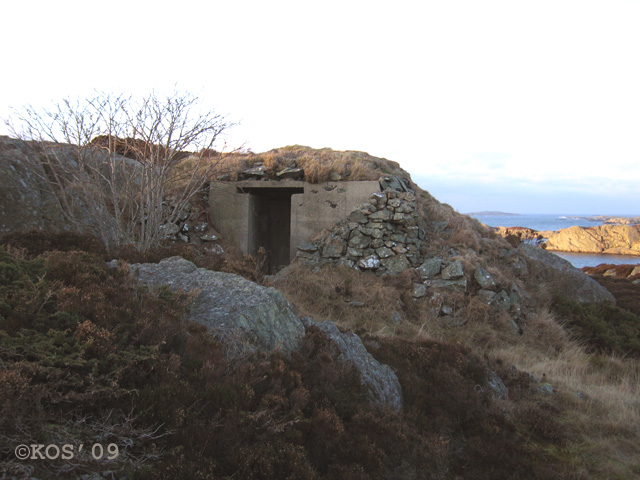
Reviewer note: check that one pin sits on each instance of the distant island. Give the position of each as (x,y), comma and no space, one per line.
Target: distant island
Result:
(495,214)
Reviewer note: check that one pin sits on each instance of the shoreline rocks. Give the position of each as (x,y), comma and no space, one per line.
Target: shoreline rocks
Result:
(601,239)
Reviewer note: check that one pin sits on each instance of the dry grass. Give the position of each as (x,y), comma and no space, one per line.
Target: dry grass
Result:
(319,165)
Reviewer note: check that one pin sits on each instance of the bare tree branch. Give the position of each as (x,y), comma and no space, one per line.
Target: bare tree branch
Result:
(111,161)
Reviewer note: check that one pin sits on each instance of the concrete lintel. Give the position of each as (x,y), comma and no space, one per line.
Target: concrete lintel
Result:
(269,184)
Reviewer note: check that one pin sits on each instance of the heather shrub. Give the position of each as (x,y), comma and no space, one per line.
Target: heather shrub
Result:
(603,327)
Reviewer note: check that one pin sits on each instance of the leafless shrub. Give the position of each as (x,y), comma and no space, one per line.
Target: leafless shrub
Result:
(117,166)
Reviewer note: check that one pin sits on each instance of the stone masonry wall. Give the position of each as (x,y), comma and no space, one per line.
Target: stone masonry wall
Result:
(384,235)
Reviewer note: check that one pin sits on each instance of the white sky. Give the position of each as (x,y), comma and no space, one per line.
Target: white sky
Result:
(522,106)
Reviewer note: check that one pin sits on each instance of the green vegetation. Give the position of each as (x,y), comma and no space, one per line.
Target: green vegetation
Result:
(604,327)
(89,357)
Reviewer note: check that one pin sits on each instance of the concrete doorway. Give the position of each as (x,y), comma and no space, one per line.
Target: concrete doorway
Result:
(270,223)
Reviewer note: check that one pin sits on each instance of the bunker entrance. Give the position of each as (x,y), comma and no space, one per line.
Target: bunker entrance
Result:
(270,224)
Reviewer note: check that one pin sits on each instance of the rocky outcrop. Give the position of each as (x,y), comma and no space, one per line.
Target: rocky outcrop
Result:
(24,201)
(232,306)
(565,279)
(229,302)
(380,381)
(615,239)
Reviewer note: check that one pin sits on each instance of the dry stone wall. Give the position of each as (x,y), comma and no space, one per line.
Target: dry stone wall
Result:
(385,235)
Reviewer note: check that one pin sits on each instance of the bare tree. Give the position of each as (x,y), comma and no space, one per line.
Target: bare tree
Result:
(117,165)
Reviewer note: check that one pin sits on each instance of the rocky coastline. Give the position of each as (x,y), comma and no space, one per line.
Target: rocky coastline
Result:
(616,239)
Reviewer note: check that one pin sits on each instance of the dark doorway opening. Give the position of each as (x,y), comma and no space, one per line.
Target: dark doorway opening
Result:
(270,224)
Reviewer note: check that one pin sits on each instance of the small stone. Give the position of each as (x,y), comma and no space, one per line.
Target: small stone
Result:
(290,172)
(419,290)
(354,252)
(183,238)
(460,284)
(453,271)
(169,229)
(307,247)
(484,279)
(396,264)
(501,301)
(209,237)
(485,296)
(384,252)
(358,217)
(334,247)
(369,263)
(356,304)
(396,318)
(430,268)
(610,273)
(635,271)
(400,249)
(381,215)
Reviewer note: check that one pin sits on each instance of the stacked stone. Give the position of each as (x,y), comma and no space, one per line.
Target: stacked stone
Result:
(384,236)
(187,228)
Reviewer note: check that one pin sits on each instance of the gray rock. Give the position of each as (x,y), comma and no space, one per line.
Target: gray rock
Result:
(635,271)
(290,172)
(501,301)
(209,237)
(453,271)
(384,252)
(484,279)
(369,263)
(260,171)
(419,290)
(381,215)
(396,318)
(430,268)
(485,296)
(307,247)
(380,381)
(334,247)
(396,264)
(567,280)
(460,284)
(169,229)
(356,304)
(229,303)
(358,216)
(496,385)
(394,183)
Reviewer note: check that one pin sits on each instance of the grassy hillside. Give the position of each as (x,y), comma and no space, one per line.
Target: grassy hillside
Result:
(88,356)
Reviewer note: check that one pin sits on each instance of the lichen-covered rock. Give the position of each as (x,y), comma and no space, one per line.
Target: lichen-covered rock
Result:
(229,302)
(379,380)
(484,279)
(453,271)
(430,268)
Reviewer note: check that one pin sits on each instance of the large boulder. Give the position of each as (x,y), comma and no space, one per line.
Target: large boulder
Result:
(380,381)
(566,280)
(228,302)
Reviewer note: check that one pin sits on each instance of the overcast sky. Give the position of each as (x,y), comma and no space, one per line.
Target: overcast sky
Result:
(519,106)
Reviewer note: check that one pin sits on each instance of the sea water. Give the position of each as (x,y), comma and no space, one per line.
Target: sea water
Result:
(557,222)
